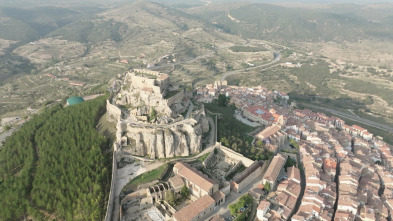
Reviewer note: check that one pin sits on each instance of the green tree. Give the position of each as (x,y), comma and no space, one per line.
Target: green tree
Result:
(185,192)
(294,143)
(222,100)
(60,147)
(267,186)
(170,197)
(153,114)
(289,163)
(234,208)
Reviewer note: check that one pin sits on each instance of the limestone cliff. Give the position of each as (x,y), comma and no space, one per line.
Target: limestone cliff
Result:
(181,139)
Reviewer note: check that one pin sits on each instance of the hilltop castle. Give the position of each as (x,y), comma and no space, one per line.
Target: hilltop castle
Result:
(148,110)
(145,91)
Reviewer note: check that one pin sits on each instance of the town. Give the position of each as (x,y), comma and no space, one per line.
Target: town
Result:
(317,168)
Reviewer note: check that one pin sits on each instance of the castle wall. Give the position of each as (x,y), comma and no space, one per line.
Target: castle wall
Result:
(147,71)
(114,112)
(109,208)
(175,98)
(237,156)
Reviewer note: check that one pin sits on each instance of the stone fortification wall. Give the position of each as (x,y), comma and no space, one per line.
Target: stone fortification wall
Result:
(226,189)
(234,168)
(113,111)
(175,98)
(109,208)
(159,83)
(162,79)
(247,176)
(237,156)
(208,158)
(147,71)
(142,82)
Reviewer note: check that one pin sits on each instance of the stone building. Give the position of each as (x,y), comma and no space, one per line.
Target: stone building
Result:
(272,135)
(247,176)
(202,188)
(198,183)
(273,170)
(196,210)
(144,91)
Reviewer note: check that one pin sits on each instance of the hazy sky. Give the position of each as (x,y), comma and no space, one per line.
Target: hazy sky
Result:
(315,1)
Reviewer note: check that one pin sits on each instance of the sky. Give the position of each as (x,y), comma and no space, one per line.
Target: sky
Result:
(313,1)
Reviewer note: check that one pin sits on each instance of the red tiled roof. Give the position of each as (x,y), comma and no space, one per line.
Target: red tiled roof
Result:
(261,112)
(263,205)
(195,176)
(356,127)
(268,131)
(293,173)
(194,209)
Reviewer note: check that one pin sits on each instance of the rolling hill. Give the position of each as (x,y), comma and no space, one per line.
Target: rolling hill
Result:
(284,24)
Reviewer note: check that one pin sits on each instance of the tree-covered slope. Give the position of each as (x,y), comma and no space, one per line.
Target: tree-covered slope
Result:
(56,165)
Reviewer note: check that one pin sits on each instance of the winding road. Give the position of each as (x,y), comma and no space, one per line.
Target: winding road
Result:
(353,118)
(267,65)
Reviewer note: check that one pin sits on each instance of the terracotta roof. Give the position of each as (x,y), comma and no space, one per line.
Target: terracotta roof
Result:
(261,112)
(356,127)
(194,209)
(195,176)
(329,163)
(274,168)
(263,205)
(268,131)
(293,173)
(293,188)
(217,196)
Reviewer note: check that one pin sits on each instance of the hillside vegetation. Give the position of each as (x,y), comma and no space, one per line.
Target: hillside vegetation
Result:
(263,21)
(56,166)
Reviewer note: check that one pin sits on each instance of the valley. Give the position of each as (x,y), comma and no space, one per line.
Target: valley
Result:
(204,100)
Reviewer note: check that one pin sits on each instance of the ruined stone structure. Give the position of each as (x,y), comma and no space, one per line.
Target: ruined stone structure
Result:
(144,91)
(163,134)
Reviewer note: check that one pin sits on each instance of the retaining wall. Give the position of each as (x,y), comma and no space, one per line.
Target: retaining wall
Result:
(109,208)
(113,111)
(237,156)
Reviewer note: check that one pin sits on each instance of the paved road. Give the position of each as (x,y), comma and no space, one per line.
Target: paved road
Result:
(278,57)
(353,118)
(182,62)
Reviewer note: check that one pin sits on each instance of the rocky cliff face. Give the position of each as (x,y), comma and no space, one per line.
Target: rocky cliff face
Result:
(157,142)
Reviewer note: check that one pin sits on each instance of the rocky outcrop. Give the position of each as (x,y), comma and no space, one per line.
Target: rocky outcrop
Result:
(152,124)
(180,139)
(205,125)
